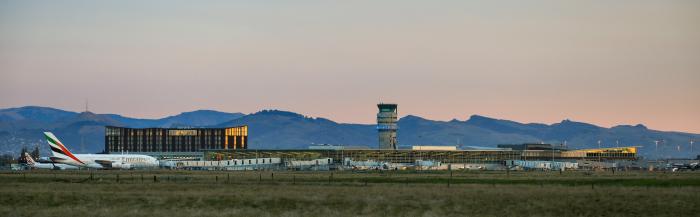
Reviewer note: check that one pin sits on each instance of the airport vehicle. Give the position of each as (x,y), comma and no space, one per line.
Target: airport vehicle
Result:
(60,154)
(51,166)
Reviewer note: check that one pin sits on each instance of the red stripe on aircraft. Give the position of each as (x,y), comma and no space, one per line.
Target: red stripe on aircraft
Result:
(65,151)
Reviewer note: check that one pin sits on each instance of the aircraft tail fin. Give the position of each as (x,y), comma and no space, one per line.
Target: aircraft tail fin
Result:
(58,150)
(29,159)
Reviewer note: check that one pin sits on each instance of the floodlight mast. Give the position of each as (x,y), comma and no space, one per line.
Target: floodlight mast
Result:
(599,152)
(656,151)
(691,146)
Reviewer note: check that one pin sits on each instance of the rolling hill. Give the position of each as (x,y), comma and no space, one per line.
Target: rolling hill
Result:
(273,129)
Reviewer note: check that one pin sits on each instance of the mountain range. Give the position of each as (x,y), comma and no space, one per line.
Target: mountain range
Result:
(273,129)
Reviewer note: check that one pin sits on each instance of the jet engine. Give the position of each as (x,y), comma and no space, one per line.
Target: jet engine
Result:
(120,165)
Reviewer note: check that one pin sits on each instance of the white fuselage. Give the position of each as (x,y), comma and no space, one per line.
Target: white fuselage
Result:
(132,160)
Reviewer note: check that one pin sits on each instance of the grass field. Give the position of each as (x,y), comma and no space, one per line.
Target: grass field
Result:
(217,193)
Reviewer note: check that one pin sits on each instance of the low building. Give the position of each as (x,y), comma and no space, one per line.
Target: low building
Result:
(405,156)
(336,147)
(434,148)
(527,146)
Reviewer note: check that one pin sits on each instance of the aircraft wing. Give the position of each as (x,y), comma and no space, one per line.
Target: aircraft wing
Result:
(105,163)
(108,164)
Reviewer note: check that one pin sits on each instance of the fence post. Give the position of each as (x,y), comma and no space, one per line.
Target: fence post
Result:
(449,180)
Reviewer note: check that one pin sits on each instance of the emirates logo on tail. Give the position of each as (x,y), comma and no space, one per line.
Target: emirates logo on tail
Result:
(58,149)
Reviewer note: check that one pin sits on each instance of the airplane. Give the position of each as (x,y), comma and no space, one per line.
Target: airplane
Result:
(60,154)
(681,166)
(52,166)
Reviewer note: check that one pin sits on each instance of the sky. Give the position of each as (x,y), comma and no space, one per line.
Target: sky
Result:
(602,62)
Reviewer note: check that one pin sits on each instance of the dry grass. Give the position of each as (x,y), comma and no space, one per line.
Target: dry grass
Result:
(63,193)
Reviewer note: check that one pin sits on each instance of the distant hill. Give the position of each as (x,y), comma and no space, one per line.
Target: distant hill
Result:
(287,130)
(273,129)
(84,132)
(31,117)
(199,118)
(484,131)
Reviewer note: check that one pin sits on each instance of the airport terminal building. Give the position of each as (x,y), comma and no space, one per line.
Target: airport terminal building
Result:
(490,156)
(174,140)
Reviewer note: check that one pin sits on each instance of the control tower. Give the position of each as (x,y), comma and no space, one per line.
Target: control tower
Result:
(386,126)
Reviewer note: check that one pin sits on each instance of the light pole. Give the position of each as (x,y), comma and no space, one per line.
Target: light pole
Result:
(691,146)
(600,152)
(656,151)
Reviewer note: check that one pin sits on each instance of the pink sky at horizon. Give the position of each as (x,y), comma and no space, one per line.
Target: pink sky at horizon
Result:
(599,62)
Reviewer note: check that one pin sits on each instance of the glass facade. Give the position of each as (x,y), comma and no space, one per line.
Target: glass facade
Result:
(121,139)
